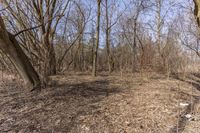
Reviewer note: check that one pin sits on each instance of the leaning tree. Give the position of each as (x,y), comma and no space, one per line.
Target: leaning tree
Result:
(10,46)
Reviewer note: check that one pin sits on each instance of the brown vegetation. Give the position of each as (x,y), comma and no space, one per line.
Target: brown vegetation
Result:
(122,66)
(80,103)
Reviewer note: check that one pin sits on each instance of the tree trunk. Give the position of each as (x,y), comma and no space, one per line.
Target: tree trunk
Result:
(158,30)
(108,40)
(52,62)
(10,46)
(197,11)
(97,40)
(50,57)
(158,37)
(134,60)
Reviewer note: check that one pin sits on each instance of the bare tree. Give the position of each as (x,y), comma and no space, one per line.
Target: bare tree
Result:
(108,30)
(190,29)
(131,26)
(94,68)
(10,46)
(39,20)
(56,34)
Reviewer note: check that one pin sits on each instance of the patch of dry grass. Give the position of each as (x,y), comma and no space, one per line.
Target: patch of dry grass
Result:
(105,104)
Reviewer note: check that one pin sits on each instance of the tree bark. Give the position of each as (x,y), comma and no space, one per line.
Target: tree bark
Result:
(97,39)
(158,30)
(50,57)
(10,46)
(197,11)
(134,60)
(108,30)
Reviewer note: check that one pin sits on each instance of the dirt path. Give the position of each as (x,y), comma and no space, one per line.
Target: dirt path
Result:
(80,103)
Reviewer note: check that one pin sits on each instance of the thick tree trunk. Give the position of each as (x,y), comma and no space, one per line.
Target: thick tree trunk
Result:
(197,11)
(10,46)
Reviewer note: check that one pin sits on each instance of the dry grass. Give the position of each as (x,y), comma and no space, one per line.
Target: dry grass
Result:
(79,103)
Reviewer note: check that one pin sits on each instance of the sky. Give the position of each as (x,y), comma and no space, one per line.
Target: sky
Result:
(169,12)
(127,9)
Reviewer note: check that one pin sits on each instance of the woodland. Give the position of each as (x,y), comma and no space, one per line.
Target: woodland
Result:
(100,66)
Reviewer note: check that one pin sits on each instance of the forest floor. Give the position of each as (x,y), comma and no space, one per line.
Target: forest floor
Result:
(79,103)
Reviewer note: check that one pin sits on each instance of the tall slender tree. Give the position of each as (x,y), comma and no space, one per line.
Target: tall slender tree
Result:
(94,68)
(108,30)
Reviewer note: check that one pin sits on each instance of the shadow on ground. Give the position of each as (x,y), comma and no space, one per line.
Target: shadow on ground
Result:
(58,108)
(87,89)
(194,80)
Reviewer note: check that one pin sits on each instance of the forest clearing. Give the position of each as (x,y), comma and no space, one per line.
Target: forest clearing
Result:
(100,66)
(105,104)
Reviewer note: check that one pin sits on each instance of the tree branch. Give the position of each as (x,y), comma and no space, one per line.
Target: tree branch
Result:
(32,28)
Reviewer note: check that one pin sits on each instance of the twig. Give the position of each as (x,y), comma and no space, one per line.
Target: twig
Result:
(35,27)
